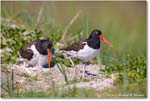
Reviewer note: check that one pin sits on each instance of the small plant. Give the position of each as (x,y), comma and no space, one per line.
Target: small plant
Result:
(13,39)
(8,84)
(131,69)
(26,75)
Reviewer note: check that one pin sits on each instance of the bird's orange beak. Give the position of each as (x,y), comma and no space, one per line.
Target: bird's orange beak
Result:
(105,40)
(49,57)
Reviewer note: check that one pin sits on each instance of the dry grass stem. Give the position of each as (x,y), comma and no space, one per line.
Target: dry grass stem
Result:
(70,23)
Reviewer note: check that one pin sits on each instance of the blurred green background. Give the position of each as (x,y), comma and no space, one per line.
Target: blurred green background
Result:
(122,23)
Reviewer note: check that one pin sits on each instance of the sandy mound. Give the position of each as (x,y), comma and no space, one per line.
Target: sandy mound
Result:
(42,78)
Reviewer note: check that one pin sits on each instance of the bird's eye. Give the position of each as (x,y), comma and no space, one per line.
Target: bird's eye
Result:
(96,32)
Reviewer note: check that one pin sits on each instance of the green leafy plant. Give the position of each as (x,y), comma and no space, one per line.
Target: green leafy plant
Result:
(13,39)
(130,69)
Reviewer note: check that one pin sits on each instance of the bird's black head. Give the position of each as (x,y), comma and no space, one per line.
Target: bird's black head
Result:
(42,46)
(95,34)
(47,44)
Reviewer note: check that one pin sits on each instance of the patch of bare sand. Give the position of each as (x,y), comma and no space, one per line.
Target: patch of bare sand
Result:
(42,78)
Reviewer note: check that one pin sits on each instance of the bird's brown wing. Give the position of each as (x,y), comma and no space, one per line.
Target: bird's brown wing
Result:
(76,46)
(26,53)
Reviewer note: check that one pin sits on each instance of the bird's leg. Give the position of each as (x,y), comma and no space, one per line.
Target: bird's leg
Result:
(83,72)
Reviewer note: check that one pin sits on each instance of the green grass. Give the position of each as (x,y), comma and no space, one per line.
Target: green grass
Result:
(125,91)
(132,69)
(119,91)
(122,23)
(60,93)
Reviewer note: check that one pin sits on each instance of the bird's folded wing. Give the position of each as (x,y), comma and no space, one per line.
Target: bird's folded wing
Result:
(76,46)
(26,53)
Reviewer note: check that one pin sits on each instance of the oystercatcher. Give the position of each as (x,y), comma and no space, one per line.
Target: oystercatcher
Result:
(38,52)
(86,49)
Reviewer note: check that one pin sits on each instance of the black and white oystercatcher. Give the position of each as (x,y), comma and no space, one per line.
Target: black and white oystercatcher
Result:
(37,52)
(88,48)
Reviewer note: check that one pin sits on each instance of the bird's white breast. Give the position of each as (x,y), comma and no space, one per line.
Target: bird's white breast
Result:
(86,53)
(37,59)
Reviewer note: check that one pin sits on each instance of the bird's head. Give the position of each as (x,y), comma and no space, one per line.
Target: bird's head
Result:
(47,44)
(97,34)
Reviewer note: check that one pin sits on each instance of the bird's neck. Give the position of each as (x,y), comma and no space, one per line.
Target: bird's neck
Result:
(93,43)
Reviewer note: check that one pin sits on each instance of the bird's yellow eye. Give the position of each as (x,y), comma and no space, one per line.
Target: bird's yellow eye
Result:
(96,32)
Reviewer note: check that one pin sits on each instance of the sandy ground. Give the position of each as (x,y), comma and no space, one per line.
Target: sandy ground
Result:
(42,78)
